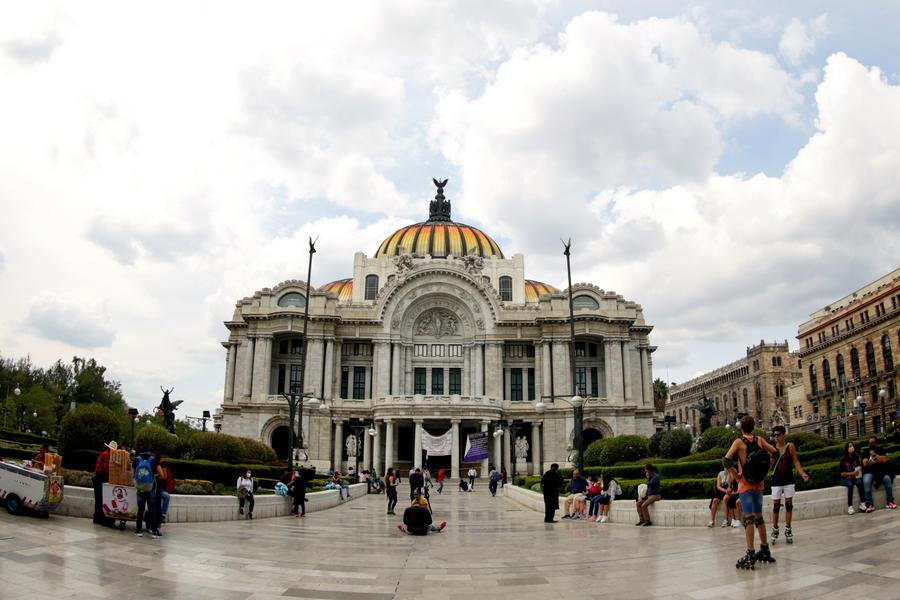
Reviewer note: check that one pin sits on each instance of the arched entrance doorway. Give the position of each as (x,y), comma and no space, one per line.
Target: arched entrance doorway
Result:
(588,436)
(279,441)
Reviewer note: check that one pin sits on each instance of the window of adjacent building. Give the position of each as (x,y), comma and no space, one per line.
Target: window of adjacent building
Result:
(879,309)
(746,403)
(371,286)
(345,382)
(841,377)
(295,380)
(515,384)
(592,350)
(585,302)
(595,382)
(454,350)
(870,358)
(437,381)
(813,379)
(821,336)
(419,378)
(854,363)
(514,350)
(437,349)
(835,330)
(581,381)
(359,383)
(531,384)
(864,317)
(506,288)
(356,349)
(294,346)
(282,369)
(826,374)
(886,353)
(292,299)
(455,381)
(421,350)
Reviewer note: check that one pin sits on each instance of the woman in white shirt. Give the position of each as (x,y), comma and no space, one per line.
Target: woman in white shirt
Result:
(245,493)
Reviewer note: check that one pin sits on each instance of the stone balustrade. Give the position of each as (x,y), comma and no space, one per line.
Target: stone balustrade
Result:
(809,504)
(184,508)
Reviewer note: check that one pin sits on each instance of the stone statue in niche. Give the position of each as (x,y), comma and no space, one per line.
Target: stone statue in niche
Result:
(521,448)
(351,445)
(438,323)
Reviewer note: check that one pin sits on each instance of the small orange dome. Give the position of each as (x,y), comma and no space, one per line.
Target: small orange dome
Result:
(536,289)
(342,288)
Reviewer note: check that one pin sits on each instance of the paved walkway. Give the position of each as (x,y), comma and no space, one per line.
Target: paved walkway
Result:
(492,548)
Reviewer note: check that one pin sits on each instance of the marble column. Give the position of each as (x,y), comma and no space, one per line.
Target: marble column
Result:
(262,349)
(493,379)
(484,463)
(479,369)
(336,369)
(626,367)
(388,444)
(408,375)
(377,374)
(417,444)
(247,377)
(329,365)
(454,450)
(507,453)
(338,445)
(537,467)
(467,372)
(497,455)
(546,377)
(395,369)
(231,358)
(312,376)
(538,375)
(607,370)
(367,449)
(377,467)
(647,376)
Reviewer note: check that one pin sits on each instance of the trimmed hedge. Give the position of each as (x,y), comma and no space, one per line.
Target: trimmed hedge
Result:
(592,452)
(675,443)
(154,436)
(807,441)
(624,448)
(25,438)
(257,451)
(218,447)
(88,428)
(716,437)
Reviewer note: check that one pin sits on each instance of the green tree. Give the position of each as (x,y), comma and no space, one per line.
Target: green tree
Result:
(88,428)
(660,393)
(91,385)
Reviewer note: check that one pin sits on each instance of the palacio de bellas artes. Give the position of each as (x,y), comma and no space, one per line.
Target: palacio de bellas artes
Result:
(437,342)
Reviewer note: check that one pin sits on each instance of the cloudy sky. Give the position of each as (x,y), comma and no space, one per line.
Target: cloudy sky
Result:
(732,169)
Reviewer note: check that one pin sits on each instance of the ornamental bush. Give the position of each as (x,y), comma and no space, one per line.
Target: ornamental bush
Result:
(807,441)
(716,437)
(592,453)
(654,443)
(258,452)
(624,448)
(88,428)
(675,443)
(154,436)
(221,447)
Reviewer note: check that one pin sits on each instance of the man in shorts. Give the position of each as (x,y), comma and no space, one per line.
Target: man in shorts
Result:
(750,494)
(783,482)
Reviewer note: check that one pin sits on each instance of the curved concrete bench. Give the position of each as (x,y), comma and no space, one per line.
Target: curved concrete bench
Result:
(809,504)
(183,508)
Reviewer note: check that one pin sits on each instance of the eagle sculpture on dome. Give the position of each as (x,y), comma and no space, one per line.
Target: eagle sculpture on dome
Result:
(439,209)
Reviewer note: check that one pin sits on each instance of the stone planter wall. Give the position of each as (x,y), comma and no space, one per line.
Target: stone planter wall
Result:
(79,502)
(810,504)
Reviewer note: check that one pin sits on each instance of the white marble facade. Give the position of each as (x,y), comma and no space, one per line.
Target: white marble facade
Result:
(452,337)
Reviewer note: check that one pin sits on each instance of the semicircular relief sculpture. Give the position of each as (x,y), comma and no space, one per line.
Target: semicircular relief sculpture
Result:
(437,323)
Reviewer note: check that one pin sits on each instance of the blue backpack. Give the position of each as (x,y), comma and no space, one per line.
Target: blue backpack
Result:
(143,475)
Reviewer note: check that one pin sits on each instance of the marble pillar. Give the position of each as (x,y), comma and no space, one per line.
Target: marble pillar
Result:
(263,348)
(329,365)
(336,369)
(230,361)
(538,375)
(647,376)
(376,373)
(467,372)
(507,452)
(408,374)
(247,367)
(497,455)
(417,444)
(367,450)
(454,450)
(479,369)
(395,369)
(626,367)
(537,467)
(484,463)
(388,444)
(312,375)
(377,466)
(338,445)
(607,370)
(546,377)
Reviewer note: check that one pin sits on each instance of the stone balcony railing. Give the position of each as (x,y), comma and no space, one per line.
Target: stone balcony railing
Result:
(438,401)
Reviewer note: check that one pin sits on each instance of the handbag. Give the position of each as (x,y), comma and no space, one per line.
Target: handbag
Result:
(242,493)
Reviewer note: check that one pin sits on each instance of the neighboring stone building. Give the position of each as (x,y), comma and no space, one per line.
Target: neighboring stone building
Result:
(846,349)
(755,385)
(437,332)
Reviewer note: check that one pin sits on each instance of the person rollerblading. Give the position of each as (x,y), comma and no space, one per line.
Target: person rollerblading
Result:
(747,561)
(783,485)
(788,535)
(775,532)
(764,556)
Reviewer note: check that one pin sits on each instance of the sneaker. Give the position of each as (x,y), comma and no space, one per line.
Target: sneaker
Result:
(862,507)
(566,517)
(870,509)
(710,524)
(250,516)
(735,523)
(241,511)
(604,519)
(156,534)
(639,524)
(850,510)
(139,533)
(442,525)
(891,505)
(647,524)
(576,517)
(726,523)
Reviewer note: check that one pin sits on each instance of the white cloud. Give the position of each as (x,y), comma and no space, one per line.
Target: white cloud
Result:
(72,323)
(798,40)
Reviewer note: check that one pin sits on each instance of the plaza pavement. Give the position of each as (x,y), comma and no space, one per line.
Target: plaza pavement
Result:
(492,548)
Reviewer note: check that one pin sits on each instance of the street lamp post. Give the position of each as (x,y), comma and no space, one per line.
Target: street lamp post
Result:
(16,392)
(881,394)
(579,405)
(295,402)
(511,428)
(359,426)
(312,250)
(669,419)
(133,413)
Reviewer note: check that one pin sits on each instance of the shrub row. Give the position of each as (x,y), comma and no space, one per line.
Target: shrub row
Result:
(25,438)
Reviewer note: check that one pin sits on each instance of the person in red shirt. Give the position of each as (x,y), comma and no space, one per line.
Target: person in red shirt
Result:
(440,481)
(101,476)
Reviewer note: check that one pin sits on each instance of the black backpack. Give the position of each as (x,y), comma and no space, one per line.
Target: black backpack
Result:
(757,464)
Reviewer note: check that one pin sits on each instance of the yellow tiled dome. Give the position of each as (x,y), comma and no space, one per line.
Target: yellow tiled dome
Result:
(440,239)
(536,289)
(342,288)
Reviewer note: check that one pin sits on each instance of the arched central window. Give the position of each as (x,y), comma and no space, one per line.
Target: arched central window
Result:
(584,302)
(292,299)
(371,286)
(506,288)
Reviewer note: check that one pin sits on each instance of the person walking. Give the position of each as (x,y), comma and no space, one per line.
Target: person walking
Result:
(493,480)
(850,470)
(472,475)
(440,481)
(783,485)
(550,483)
(144,482)
(753,465)
(653,495)
(245,493)
(416,483)
(390,481)
(502,476)
(298,493)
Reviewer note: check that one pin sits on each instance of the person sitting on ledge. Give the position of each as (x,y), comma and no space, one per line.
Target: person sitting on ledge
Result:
(337,483)
(577,490)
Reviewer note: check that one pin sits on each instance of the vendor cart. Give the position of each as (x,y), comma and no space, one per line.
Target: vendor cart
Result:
(24,487)
(120,502)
